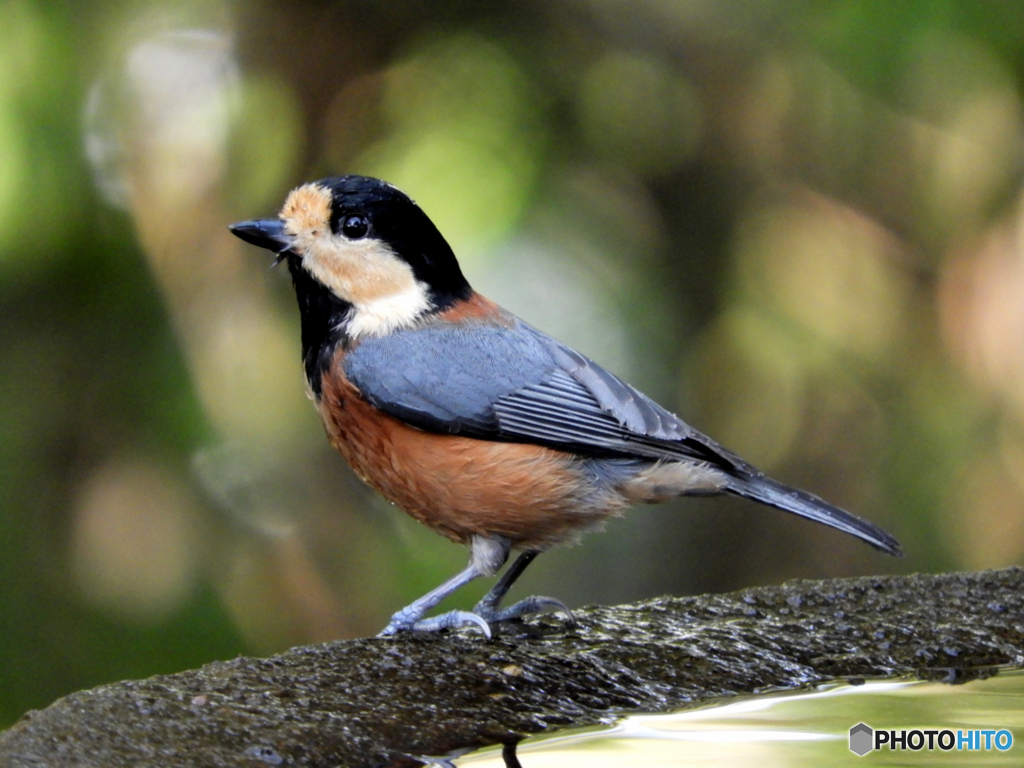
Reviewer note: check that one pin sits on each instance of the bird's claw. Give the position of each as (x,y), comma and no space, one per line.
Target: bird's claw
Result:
(529,605)
(450,620)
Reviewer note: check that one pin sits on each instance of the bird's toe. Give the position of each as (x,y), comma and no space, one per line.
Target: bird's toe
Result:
(450,620)
(525,607)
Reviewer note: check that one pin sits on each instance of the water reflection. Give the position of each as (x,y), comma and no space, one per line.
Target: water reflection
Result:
(804,729)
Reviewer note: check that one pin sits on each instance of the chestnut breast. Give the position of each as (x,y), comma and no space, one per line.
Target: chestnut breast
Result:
(460,486)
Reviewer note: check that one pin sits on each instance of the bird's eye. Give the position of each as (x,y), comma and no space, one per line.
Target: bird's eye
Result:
(355,227)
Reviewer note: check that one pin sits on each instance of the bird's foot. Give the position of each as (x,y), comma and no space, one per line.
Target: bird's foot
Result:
(451,620)
(529,605)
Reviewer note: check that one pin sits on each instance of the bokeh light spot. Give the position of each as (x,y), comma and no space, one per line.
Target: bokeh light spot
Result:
(134,541)
(24,192)
(165,114)
(752,378)
(981,303)
(265,142)
(638,112)
(461,138)
(828,269)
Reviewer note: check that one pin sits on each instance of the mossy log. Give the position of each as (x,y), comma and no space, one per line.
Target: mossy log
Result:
(379,702)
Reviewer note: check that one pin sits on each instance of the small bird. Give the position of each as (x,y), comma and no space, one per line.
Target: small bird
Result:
(478,425)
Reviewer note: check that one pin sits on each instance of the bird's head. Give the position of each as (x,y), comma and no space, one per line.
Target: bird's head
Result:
(367,244)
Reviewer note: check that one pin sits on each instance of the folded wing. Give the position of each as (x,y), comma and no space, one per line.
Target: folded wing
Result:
(516,384)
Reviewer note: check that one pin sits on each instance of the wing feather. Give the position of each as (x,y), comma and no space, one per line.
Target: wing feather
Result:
(517,384)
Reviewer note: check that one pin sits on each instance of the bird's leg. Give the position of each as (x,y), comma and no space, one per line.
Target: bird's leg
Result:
(487,555)
(489,603)
(489,606)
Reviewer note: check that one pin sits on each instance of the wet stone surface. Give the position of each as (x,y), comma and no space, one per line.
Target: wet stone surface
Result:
(377,702)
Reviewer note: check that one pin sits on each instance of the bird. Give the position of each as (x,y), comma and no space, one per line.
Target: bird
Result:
(484,428)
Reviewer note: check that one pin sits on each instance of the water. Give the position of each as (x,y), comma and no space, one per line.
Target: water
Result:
(793,730)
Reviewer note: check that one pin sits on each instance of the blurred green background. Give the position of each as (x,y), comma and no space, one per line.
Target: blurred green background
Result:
(799,225)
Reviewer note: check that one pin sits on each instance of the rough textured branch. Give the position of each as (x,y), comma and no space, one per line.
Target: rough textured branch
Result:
(376,702)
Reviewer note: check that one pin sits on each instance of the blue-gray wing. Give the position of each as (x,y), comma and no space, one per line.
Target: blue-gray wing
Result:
(517,384)
(446,378)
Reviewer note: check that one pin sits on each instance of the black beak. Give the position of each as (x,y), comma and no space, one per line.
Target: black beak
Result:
(266,233)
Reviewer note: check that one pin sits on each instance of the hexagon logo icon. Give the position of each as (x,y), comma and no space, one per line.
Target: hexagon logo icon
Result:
(861,739)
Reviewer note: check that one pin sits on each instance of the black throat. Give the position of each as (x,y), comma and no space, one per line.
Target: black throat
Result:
(322,317)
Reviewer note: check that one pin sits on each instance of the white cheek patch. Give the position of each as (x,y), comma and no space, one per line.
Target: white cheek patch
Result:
(388,313)
(382,289)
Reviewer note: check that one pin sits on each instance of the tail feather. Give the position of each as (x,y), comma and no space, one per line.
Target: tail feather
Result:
(775,494)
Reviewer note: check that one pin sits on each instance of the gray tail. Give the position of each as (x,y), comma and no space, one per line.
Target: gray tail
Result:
(775,494)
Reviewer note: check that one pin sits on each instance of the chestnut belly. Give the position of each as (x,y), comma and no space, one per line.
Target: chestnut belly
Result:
(535,497)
